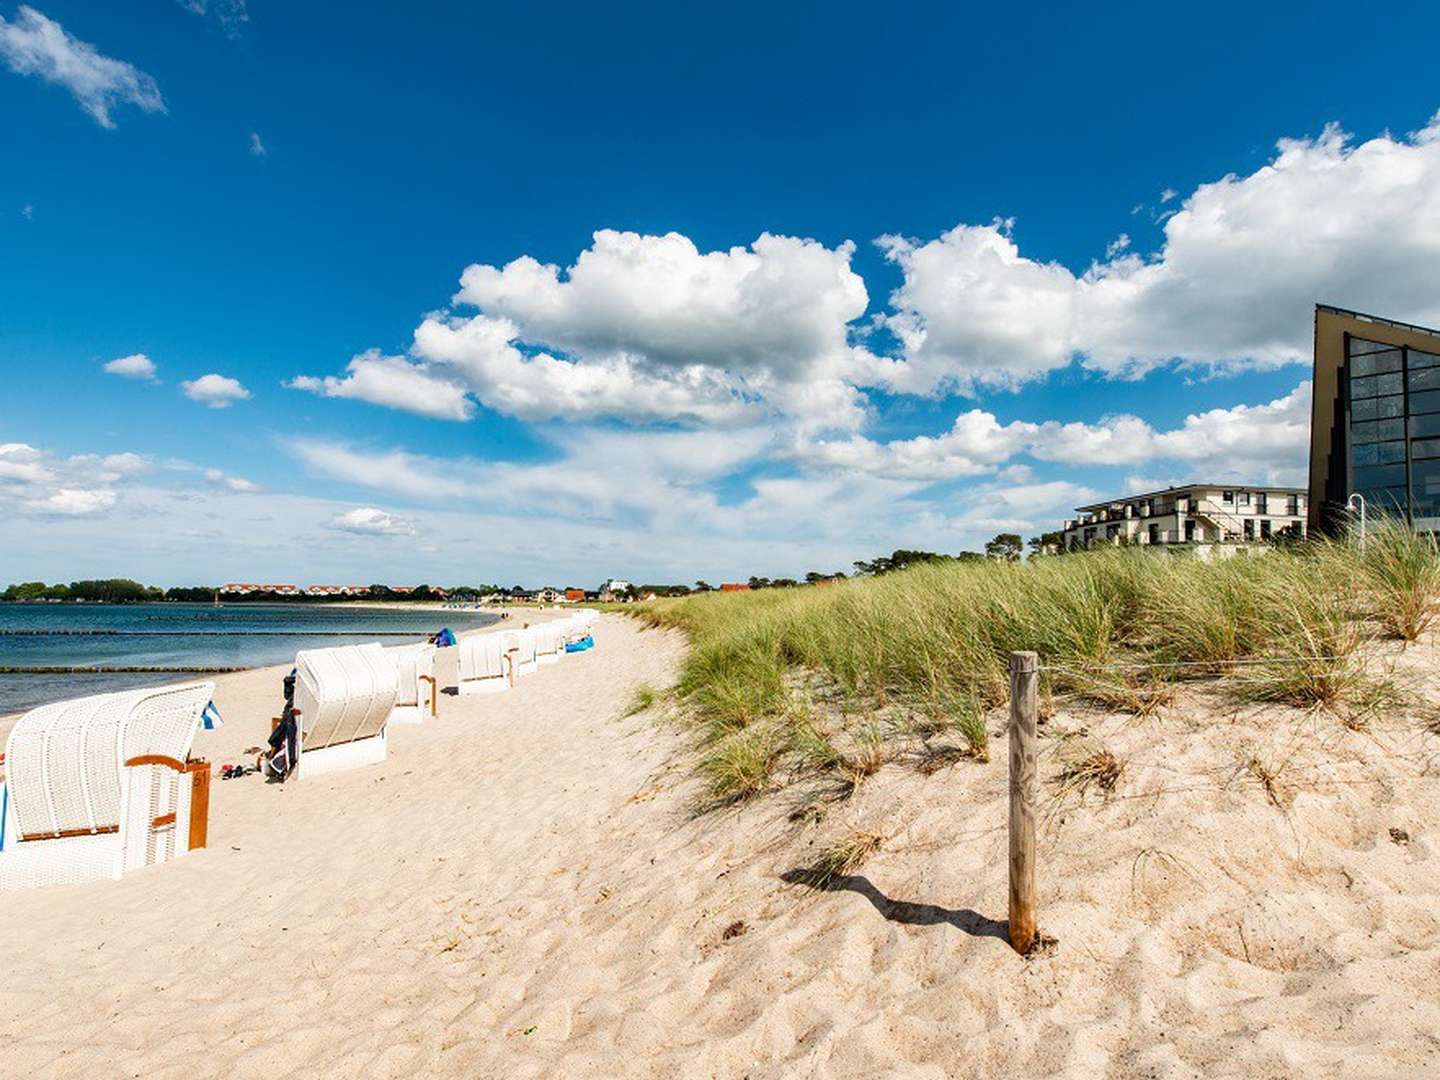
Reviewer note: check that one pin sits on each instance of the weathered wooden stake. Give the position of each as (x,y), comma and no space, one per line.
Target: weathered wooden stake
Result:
(1024,781)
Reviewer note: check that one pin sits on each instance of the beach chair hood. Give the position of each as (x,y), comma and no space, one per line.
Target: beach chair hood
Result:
(65,762)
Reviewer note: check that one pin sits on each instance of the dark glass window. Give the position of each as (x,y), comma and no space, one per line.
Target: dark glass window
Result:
(1384,500)
(1359,346)
(1418,359)
(1381,453)
(1375,363)
(1425,425)
(1377,431)
(1379,476)
(1376,385)
(1429,401)
(1424,379)
(1425,482)
(1425,448)
(1383,408)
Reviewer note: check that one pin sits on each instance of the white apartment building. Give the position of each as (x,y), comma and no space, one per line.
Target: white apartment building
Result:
(1192,514)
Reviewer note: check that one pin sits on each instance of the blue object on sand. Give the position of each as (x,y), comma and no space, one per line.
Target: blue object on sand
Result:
(445,638)
(587,642)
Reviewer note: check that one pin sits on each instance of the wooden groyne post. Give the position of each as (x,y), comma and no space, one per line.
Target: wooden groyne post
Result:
(1024,792)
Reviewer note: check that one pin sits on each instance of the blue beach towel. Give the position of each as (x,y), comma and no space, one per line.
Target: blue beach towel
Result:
(445,638)
(210,718)
(587,642)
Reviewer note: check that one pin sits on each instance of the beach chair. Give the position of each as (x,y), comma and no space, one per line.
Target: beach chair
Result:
(484,664)
(520,644)
(98,786)
(343,698)
(549,642)
(416,695)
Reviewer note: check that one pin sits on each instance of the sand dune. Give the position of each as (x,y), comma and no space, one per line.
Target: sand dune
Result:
(522,891)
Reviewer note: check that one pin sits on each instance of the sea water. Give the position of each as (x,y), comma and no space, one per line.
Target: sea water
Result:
(186,635)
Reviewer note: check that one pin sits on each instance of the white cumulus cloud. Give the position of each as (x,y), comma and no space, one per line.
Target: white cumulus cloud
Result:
(73,502)
(394,381)
(372,521)
(35,45)
(215,391)
(1243,262)
(135,366)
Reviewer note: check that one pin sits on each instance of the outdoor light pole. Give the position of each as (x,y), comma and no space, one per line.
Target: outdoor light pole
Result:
(1356,497)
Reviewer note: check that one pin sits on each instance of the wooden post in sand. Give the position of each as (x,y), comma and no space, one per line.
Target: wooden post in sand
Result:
(1024,780)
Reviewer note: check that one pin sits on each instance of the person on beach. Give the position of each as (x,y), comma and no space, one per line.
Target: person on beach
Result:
(280,758)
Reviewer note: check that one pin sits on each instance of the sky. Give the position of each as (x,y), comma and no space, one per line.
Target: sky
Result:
(332,293)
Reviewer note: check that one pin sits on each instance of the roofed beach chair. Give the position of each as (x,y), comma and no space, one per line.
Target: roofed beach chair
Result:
(484,664)
(521,646)
(550,642)
(343,697)
(416,694)
(101,785)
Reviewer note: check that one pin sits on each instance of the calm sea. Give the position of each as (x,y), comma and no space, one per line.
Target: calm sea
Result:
(185,635)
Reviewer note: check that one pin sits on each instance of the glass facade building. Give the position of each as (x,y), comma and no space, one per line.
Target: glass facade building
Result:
(1393,394)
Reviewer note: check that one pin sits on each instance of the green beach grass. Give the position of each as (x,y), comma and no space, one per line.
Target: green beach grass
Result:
(1120,628)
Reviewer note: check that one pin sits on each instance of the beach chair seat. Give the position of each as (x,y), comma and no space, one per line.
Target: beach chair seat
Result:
(102,785)
(416,695)
(484,664)
(344,696)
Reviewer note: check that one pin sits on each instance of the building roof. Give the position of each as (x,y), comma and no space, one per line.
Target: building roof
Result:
(1379,319)
(1183,488)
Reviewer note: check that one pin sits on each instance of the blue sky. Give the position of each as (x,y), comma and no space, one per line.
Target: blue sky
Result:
(796,284)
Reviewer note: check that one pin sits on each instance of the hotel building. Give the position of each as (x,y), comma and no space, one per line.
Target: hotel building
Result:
(1193,514)
(1375,419)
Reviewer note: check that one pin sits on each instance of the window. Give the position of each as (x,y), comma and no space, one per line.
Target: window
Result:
(1154,534)
(1292,505)
(1375,431)
(1359,347)
(1264,529)
(1425,488)
(1249,528)
(1423,379)
(1244,498)
(1387,408)
(1423,402)
(1189,531)
(1262,503)
(1228,496)
(1375,363)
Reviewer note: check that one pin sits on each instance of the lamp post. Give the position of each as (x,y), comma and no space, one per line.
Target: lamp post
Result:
(1350,504)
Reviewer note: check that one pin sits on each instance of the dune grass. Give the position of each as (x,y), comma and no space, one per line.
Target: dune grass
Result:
(1117,627)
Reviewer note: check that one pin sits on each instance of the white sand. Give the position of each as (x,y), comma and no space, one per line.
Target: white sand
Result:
(520,892)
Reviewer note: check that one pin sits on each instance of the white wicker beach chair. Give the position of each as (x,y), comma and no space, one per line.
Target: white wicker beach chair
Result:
(416,693)
(521,646)
(101,785)
(549,642)
(344,696)
(484,665)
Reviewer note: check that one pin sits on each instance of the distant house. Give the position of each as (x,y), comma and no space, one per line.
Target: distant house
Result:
(1201,514)
(734,586)
(247,588)
(575,595)
(549,595)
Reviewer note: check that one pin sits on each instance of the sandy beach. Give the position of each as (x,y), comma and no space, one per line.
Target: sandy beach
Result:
(522,890)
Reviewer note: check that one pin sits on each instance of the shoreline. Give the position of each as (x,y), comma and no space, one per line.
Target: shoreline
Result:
(516,617)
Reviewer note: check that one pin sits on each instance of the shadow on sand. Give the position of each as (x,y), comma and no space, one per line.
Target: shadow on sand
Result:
(903,911)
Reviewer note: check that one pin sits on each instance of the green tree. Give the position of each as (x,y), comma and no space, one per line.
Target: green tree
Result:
(1006,546)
